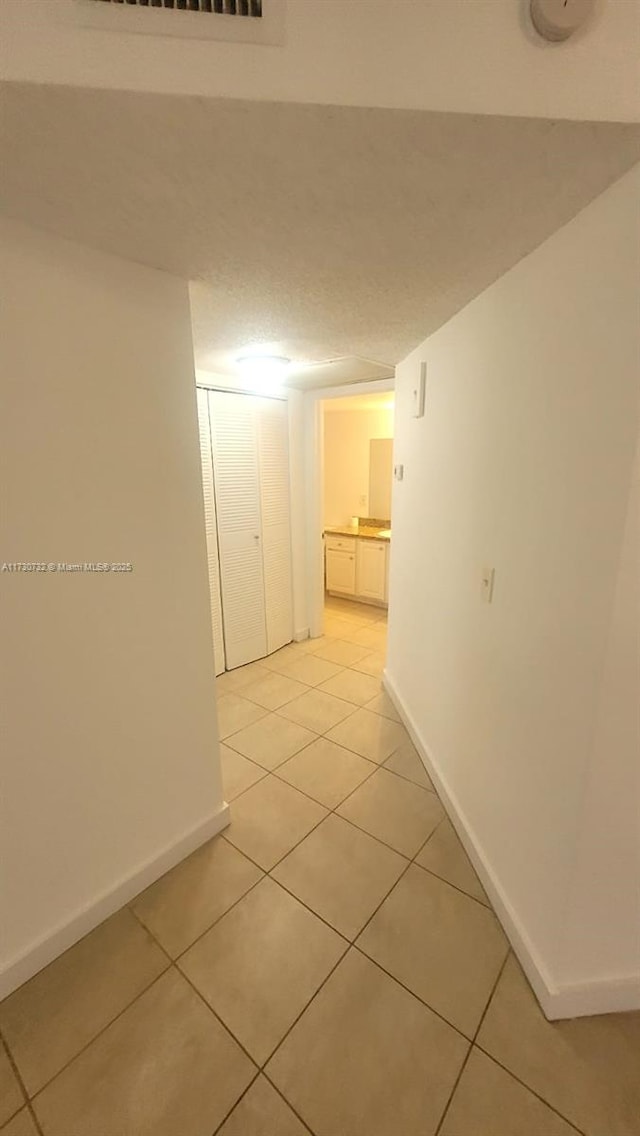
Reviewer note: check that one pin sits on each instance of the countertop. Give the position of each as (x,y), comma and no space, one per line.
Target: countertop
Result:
(366,532)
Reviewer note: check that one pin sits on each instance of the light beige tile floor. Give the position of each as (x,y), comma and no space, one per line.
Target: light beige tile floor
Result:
(61,1009)
(11,1095)
(269,819)
(444,946)
(238,772)
(238,965)
(236,712)
(326,771)
(394,810)
(263,1112)
(406,762)
(271,741)
(353,686)
(185,902)
(22,1124)
(329,965)
(273,690)
(318,711)
(444,855)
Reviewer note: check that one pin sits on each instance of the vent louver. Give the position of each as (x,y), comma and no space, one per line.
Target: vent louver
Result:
(214,7)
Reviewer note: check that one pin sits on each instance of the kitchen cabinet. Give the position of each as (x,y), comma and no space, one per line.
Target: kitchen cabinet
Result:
(340,565)
(357,567)
(371,570)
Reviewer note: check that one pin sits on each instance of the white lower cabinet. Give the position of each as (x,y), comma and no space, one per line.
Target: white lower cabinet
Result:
(371,570)
(356,567)
(341,566)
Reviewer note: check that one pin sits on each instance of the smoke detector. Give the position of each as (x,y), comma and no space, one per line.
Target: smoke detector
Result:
(556,20)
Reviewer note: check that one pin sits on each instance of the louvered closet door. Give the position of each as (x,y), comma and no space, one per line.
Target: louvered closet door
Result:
(211,531)
(237,484)
(273,457)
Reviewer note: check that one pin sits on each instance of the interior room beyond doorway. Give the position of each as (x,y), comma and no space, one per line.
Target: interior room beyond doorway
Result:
(357,483)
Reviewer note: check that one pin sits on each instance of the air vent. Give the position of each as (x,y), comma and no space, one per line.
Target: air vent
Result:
(240,21)
(215,7)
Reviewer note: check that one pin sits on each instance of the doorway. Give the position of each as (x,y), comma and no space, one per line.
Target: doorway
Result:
(349,514)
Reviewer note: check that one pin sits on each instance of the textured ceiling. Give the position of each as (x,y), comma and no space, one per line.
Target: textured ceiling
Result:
(325,231)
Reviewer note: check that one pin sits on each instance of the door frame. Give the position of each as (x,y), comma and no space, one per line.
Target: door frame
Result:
(312,424)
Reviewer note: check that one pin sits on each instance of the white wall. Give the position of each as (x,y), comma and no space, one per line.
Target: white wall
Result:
(110,766)
(528,706)
(478,56)
(347,434)
(606,872)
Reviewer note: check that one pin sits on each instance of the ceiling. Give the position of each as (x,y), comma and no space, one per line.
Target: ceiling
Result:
(320,231)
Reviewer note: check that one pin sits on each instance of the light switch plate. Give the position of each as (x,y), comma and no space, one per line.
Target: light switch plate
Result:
(488,579)
(418,392)
(398,472)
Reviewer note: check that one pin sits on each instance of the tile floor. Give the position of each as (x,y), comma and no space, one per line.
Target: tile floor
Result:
(329,965)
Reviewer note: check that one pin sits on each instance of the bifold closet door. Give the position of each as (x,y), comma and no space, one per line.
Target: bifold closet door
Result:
(211,531)
(273,462)
(237,485)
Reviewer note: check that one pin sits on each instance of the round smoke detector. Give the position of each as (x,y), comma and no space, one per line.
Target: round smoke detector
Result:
(558,19)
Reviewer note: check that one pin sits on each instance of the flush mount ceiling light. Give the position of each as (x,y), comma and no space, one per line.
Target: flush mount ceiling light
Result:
(556,20)
(263,368)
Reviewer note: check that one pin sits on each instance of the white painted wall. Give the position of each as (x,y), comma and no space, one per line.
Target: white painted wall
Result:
(478,56)
(347,434)
(606,872)
(528,706)
(110,766)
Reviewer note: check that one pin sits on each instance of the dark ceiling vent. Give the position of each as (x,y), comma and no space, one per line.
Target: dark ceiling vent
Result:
(215,7)
(233,21)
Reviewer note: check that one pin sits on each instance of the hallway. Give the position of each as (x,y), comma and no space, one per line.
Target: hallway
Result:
(329,965)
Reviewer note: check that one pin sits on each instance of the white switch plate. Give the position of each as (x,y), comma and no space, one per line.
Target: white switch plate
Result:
(398,472)
(418,393)
(488,579)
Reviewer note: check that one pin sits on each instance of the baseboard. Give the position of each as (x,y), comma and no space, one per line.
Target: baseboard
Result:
(42,952)
(301,635)
(602,996)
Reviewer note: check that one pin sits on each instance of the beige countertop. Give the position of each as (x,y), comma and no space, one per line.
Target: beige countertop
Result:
(366,532)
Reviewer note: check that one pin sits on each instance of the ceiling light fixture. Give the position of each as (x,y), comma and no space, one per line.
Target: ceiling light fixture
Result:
(264,368)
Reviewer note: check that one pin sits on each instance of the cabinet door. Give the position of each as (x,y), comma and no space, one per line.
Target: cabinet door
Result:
(341,572)
(237,482)
(211,531)
(372,566)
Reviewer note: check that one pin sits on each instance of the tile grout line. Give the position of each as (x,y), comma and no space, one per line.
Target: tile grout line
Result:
(102,1029)
(472,1043)
(236,1103)
(524,1084)
(26,1101)
(181,974)
(287,1102)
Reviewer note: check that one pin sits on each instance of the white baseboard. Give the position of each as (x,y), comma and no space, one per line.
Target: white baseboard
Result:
(301,635)
(603,996)
(55,942)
